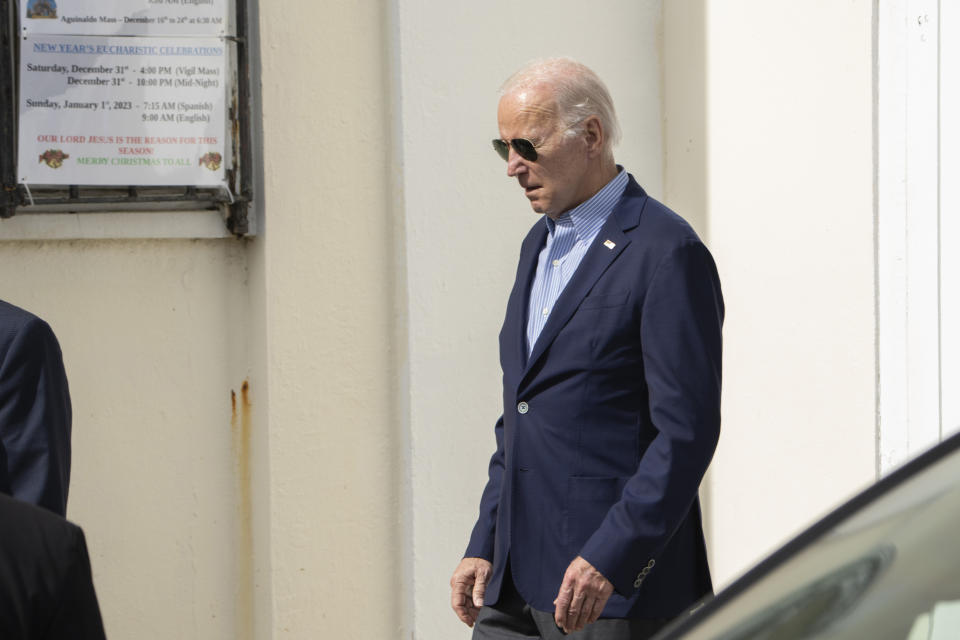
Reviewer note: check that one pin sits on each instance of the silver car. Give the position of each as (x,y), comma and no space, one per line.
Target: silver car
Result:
(884,565)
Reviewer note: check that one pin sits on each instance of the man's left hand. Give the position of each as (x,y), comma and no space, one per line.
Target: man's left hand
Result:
(583,594)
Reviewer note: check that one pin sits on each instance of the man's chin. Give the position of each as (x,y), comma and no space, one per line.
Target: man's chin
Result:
(542,209)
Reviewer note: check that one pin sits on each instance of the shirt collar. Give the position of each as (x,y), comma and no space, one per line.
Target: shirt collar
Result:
(589,216)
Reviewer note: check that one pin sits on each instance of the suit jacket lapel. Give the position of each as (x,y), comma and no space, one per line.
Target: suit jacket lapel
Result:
(599,256)
(515,346)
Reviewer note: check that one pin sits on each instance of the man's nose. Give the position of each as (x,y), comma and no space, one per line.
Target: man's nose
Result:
(515,163)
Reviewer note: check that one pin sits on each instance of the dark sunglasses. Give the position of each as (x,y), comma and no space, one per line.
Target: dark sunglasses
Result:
(524,149)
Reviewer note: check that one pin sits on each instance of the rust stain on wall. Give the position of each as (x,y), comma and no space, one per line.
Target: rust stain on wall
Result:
(240,432)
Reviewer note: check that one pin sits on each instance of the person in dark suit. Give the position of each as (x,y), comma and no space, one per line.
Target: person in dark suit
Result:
(611,353)
(35,411)
(46,587)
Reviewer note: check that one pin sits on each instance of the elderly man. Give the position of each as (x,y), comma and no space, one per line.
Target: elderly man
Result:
(611,348)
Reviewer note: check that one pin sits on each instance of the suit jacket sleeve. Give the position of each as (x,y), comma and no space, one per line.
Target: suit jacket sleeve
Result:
(484,531)
(35,416)
(681,319)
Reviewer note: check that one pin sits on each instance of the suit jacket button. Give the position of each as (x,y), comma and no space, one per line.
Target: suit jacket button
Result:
(523,407)
(651,563)
(637,583)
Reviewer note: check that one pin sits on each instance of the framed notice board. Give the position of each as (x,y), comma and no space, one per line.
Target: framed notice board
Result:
(126,105)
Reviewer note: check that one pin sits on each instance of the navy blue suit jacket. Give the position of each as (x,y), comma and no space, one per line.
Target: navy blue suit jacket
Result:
(35,412)
(609,425)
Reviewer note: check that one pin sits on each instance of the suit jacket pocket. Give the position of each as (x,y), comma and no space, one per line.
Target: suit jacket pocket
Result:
(588,500)
(602,301)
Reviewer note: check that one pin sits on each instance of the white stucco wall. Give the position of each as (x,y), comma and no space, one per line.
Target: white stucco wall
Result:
(328,257)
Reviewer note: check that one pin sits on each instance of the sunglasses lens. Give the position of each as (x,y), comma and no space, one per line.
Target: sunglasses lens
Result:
(524,148)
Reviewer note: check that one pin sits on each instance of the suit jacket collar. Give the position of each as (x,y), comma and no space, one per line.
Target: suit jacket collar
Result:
(600,255)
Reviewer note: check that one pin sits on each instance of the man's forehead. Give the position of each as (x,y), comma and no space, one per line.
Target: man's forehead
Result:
(527,106)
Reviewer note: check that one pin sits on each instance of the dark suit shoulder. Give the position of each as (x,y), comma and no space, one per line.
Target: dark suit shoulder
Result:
(13,315)
(46,588)
(666,225)
(649,221)
(19,327)
(38,548)
(25,527)
(38,552)
(18,324)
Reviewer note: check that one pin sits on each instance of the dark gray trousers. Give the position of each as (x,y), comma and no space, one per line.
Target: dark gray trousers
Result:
(513,619)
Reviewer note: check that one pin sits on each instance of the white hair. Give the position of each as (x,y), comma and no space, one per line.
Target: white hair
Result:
(578,91)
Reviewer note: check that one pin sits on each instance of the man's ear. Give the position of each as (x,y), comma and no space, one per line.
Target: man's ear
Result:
(593,134)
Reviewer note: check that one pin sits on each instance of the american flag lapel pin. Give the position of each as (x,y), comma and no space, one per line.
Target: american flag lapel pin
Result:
(609,244)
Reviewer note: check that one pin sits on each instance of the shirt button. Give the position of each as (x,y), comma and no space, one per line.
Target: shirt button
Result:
(523,407)
(546,311)
(556,263)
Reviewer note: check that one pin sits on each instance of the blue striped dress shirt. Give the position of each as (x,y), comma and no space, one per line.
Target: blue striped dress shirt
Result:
(568,238)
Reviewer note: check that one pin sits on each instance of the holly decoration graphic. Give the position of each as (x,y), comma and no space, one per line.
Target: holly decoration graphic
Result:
(54,158)
(211,160)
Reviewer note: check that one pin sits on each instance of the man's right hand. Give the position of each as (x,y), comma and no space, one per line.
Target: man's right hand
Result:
(467,587)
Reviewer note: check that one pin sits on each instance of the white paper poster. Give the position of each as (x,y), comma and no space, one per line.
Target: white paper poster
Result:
(122,111)
(124,17)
